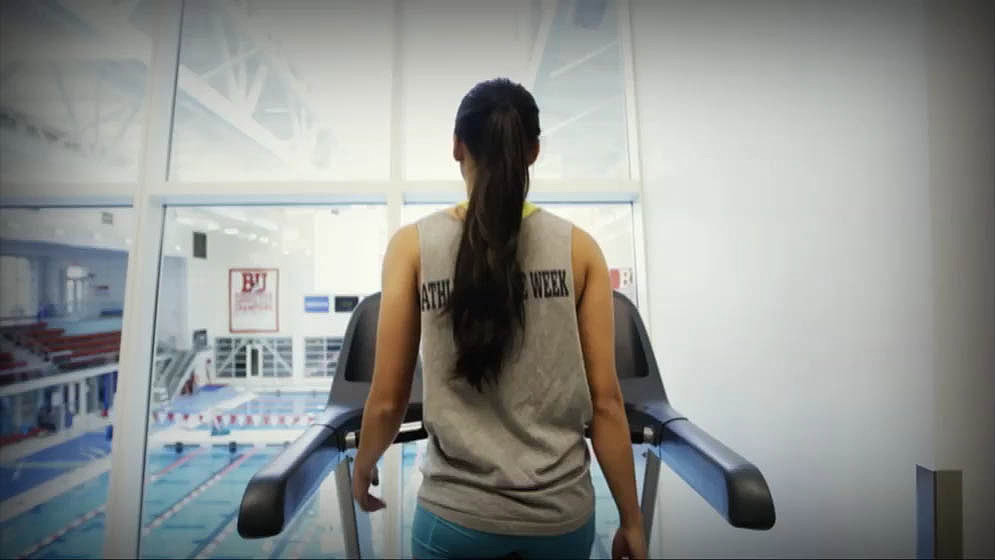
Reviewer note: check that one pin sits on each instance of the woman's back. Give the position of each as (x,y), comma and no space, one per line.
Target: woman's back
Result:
(510,458)
(512,308)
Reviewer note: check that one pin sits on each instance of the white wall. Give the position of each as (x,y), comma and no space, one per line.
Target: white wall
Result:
(171,321)
(962,180)
(785,158)
(208,285)
(335,254)
(50,261)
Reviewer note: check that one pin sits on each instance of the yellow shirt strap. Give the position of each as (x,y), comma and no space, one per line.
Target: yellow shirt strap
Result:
(527,209)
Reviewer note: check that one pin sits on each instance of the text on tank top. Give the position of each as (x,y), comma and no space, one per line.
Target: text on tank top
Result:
(511,459)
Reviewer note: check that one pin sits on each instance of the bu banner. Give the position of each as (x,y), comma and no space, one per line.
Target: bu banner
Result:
(253,300)
(624,280)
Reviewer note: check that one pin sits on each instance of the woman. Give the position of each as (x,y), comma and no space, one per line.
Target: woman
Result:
(513,309)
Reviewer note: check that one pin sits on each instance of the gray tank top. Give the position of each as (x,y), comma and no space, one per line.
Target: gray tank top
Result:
(513,459)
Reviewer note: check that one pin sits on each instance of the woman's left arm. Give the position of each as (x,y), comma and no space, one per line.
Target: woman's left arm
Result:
(398,335)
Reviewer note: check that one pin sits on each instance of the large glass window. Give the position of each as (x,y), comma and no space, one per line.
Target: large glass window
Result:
(611,225)
(72,97)
(283,90)
(63,275)
(580,89)
(252,301)
(260,285)
(567,53)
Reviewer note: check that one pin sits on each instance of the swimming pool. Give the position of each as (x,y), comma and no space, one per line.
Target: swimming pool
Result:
(189,511)
(192,495)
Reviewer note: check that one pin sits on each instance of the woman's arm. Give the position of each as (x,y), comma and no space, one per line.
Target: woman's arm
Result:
(398,335)
(609,425)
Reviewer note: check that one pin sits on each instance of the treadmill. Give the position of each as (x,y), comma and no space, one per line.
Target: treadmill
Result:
(733,486)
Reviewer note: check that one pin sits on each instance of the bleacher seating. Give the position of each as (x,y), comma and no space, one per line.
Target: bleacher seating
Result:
(8,363)
(16,366)
(47,334)
(67,352)
(63,348)
(14,438)
(13,332)
(36,350)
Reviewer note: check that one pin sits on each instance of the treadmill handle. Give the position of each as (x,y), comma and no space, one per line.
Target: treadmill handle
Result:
(280,488)
(728,482)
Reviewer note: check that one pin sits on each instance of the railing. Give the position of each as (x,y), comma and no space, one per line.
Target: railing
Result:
(178,373)
(170,378)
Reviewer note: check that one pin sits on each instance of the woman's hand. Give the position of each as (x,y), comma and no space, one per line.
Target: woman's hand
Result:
(629,542)
(361,481)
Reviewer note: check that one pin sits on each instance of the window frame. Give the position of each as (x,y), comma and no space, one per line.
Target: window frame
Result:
(154,191)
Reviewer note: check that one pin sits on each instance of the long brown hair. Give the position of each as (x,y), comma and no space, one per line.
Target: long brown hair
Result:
(498,122)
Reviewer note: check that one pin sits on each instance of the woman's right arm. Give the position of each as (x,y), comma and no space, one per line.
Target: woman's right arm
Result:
(609,425)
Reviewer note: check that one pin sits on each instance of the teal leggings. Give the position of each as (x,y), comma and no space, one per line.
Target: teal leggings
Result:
(434,537)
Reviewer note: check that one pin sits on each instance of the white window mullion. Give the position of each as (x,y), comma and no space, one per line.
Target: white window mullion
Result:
(629,80)
(131,409)
(638,212)
(391,475)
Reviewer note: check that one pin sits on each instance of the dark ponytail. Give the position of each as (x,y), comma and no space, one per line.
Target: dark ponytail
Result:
(498,122)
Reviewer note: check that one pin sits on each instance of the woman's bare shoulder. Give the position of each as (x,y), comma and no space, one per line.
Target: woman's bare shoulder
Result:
(585,254)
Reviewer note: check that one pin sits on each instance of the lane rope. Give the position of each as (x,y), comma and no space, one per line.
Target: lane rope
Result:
(102,508)
(193,494)
(59,534)
(192,420)
(216,541)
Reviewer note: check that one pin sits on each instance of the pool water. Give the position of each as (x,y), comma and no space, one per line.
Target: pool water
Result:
(285,403)
(189,511)
(42,466)
(191,497)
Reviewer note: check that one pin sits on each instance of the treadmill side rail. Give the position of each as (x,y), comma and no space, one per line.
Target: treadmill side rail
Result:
(279,489)
(728,482)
